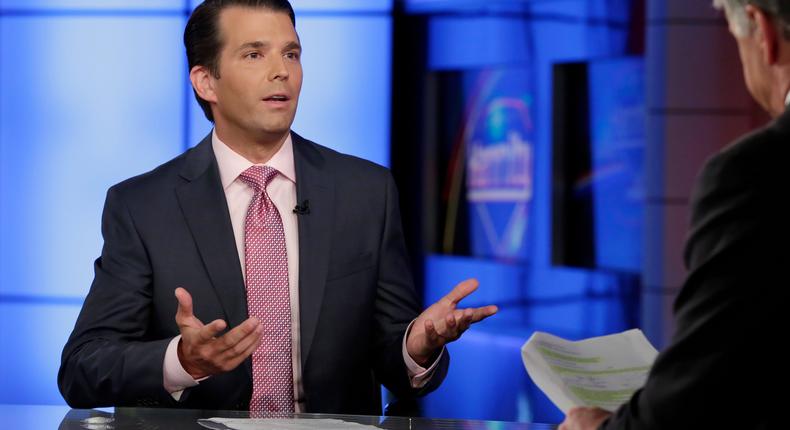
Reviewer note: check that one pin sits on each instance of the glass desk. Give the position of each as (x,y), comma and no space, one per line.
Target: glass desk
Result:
(62,417)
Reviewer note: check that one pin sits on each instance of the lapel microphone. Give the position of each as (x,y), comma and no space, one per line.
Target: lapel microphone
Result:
(304,209)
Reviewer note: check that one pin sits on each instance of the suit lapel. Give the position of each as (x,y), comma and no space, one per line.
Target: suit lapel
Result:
(205,209)
(314,183)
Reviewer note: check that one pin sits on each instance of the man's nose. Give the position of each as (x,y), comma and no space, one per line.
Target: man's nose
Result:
(278,69)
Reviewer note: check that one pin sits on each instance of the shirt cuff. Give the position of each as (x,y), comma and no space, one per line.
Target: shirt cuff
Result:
(418,375)
(176,379)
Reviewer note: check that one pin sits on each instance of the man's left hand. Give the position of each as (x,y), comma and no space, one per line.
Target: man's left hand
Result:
(584,418)
(443,323)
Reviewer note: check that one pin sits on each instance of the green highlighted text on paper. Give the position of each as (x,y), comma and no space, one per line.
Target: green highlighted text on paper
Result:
(602,371)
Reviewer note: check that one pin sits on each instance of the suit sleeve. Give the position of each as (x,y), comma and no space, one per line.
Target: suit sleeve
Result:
(711,375)
(396,306)
(110,358)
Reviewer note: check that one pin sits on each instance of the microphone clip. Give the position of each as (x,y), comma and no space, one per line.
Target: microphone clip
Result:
(303,209)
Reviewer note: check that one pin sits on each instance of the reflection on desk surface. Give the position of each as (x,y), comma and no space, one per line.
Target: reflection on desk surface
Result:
(62,417)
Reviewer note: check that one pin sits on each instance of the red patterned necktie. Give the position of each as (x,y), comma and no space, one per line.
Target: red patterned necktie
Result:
(268,297)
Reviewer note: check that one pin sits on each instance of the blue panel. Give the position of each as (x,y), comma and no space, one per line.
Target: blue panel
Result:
(555,42)
(598,304)
(617,128)
(595,12)
(341,6)
(569,303)
(345,100)
(88,102)
(499,282)
(486,360)
(70,5)
(451,6)
(603,13)
(610,11)
(31,340)
(487,380)
(474,43)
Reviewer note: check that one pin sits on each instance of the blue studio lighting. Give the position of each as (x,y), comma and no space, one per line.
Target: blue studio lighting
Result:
(96,91)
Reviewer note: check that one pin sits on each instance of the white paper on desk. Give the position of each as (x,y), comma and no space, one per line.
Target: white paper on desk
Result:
(600,371)
(280,424)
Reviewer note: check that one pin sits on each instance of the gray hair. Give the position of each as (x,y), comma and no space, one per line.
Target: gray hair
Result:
(741,26)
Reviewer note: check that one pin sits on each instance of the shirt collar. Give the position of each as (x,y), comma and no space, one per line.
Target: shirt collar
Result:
(232,164)
(787,99)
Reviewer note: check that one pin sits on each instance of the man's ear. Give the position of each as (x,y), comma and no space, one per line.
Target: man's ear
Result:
(203,83)
(766,33)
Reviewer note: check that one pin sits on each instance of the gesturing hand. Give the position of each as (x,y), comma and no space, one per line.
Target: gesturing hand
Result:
(201,353)
(443,323)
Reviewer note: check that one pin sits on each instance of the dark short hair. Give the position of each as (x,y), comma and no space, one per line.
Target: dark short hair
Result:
(202,36)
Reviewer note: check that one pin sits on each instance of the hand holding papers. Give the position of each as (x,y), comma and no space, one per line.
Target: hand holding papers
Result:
(601,371)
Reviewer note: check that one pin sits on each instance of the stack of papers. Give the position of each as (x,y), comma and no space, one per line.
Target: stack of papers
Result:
(601,371)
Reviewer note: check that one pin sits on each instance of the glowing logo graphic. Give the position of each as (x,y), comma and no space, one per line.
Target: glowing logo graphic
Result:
(499,150)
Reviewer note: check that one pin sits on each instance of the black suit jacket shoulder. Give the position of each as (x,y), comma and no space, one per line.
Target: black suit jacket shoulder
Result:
(720,367)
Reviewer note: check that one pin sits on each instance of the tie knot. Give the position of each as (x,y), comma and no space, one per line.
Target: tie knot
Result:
(258,177)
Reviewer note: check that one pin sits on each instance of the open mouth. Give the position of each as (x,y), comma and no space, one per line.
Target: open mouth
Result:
(277,98)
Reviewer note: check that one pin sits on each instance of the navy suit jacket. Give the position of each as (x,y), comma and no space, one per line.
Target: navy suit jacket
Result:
(171,228)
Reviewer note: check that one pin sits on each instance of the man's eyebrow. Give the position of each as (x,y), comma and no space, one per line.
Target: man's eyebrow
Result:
(293,46)
(256,44)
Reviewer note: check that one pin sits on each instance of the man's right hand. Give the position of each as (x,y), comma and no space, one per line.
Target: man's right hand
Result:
(203,354)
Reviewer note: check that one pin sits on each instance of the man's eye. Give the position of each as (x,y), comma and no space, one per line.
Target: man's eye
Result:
(253,55)
(292,56)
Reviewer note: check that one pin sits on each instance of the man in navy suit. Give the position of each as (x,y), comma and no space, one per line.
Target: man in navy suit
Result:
(176,316)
